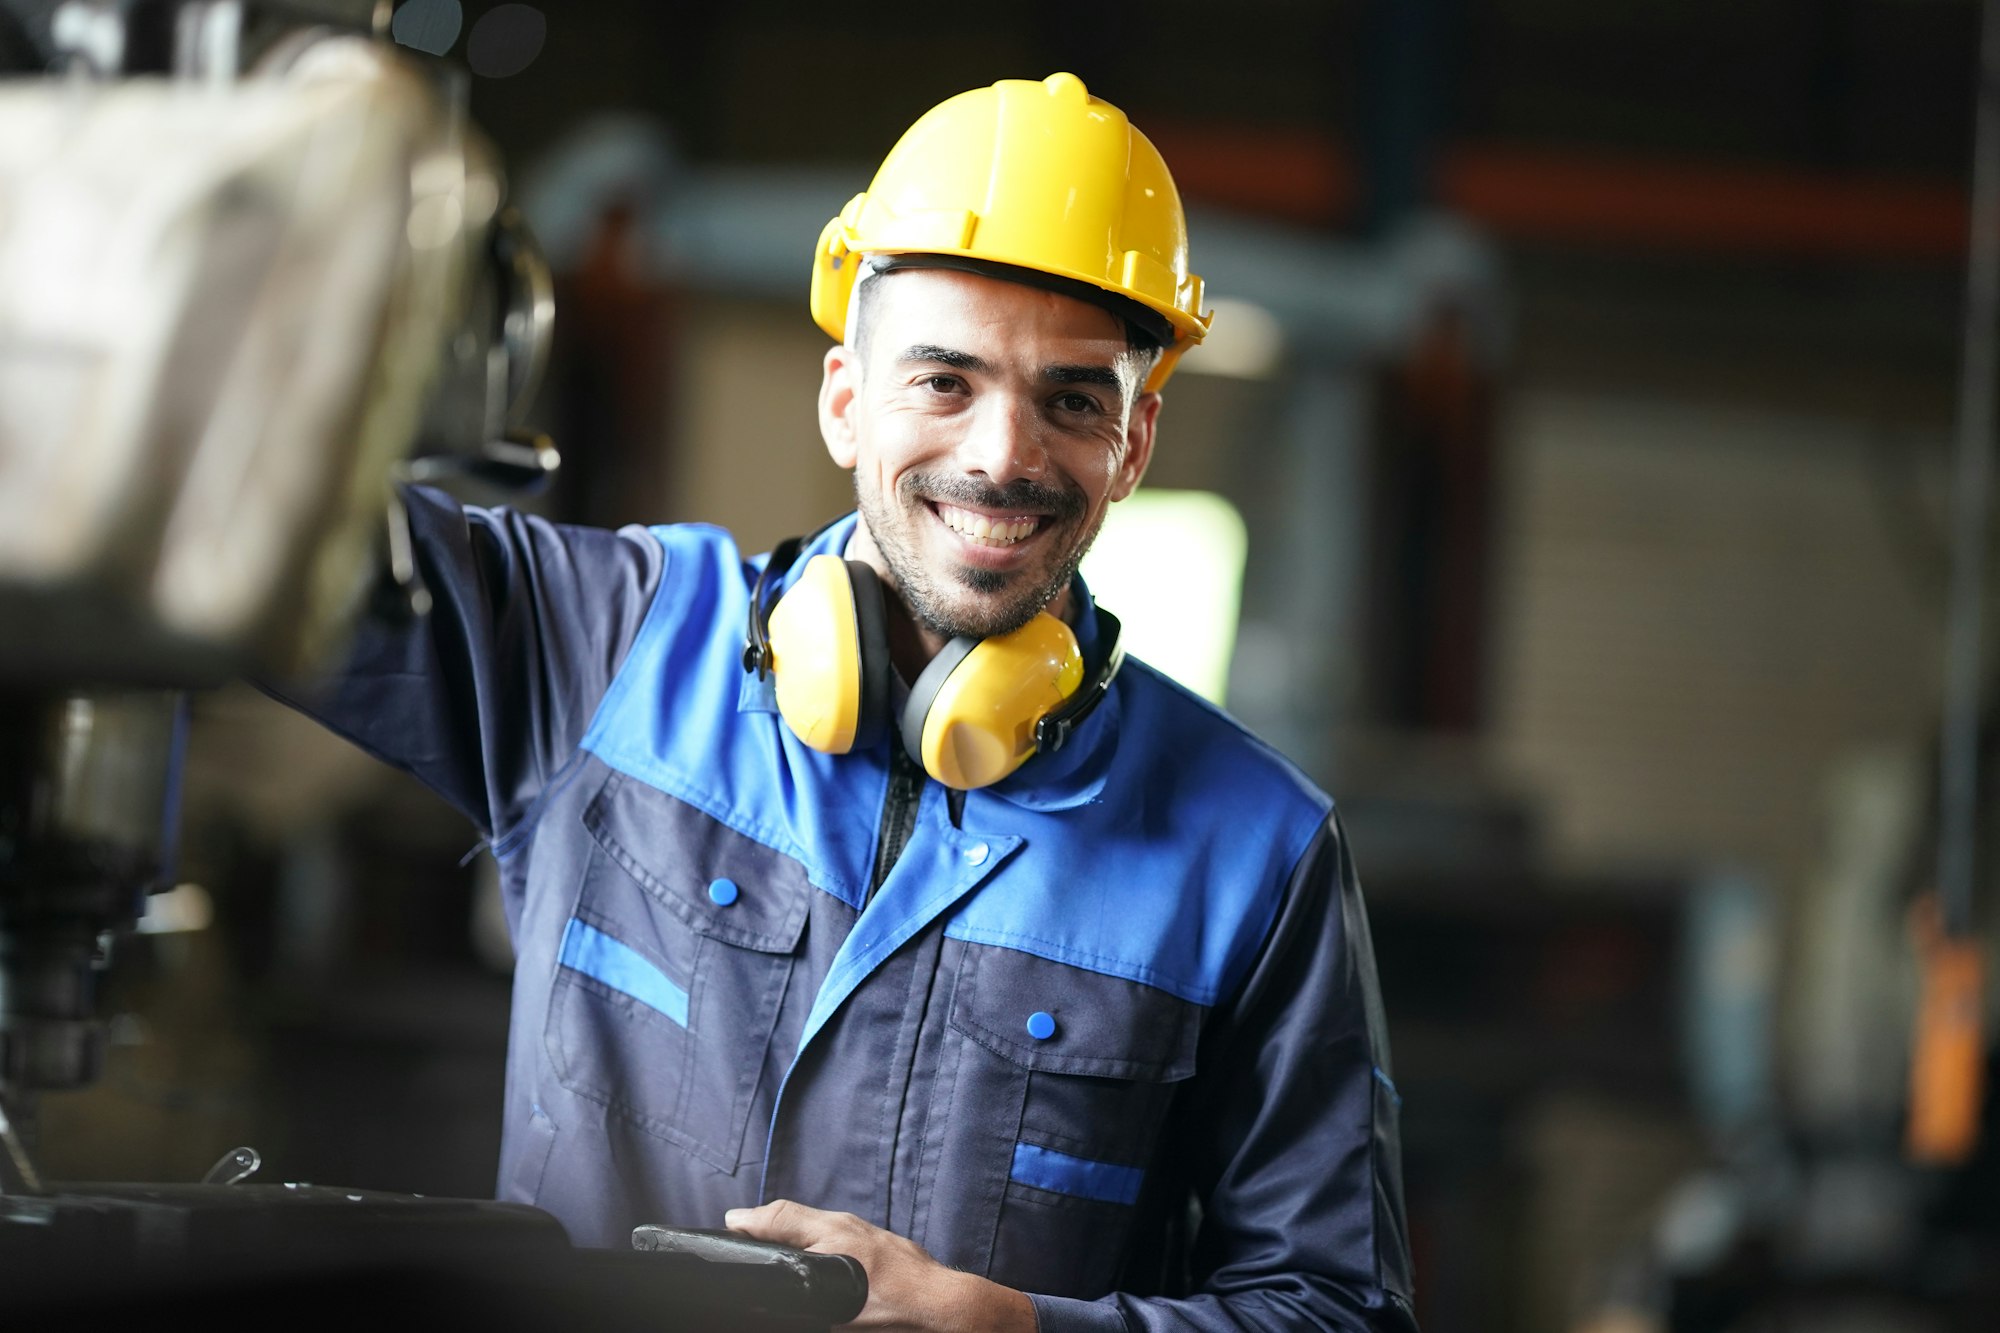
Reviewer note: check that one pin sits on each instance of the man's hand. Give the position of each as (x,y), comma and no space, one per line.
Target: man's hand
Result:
(907,1289)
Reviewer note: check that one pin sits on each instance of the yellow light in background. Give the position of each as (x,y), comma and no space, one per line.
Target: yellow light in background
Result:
(1169,565)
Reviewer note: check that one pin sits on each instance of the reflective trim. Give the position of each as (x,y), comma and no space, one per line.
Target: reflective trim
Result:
(1058,1172)
(590,951)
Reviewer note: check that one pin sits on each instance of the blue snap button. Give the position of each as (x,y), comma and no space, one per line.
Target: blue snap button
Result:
(977,853)
(722,892)
(1041,1026)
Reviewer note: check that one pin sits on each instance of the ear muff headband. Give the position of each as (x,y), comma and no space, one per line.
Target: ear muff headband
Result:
(871,628)
(924,693)
(756,630)
(1053,730)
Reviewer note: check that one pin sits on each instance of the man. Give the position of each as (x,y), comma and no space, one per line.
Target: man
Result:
(1092,1042)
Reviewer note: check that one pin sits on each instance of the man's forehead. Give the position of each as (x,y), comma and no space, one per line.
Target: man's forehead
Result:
(918,301)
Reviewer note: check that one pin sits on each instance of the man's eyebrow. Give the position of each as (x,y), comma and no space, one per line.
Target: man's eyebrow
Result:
(1103,376)
(944,356)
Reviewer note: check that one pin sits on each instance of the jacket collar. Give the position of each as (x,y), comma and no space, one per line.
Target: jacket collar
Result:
(1073,776)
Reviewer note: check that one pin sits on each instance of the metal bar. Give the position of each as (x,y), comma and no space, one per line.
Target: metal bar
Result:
(1958,777)
(26,1178)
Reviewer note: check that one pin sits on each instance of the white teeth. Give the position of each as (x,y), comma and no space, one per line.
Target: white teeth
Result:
(983,531)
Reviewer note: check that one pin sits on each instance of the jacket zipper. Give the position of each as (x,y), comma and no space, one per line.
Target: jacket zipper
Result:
(899,813)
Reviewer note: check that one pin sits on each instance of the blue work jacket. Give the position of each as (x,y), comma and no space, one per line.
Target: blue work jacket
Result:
(1108,1033)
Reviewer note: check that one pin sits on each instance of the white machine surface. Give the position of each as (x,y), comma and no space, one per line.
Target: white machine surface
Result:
(223,302)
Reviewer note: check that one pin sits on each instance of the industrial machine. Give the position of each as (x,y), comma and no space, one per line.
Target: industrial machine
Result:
(256,267)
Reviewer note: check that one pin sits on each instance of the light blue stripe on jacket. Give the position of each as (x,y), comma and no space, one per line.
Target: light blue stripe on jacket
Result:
(590,951)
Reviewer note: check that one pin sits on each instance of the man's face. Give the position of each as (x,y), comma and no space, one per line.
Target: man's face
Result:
(990,429)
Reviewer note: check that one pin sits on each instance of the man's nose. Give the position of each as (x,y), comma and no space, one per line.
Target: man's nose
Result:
(1004,443)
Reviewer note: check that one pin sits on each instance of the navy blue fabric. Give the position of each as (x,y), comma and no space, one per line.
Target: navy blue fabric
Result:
(1170,895)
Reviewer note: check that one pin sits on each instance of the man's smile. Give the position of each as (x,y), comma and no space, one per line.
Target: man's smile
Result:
(993,530)
(999,542)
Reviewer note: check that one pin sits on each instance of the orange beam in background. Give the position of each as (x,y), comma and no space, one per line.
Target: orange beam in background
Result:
(1599,201)
(1298,176)
(1545,196)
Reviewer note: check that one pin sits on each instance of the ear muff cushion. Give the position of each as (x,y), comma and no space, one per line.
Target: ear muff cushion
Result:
(871,632)
(816,656)
(925,691)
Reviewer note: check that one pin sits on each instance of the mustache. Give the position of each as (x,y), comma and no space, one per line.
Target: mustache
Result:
(1055,501)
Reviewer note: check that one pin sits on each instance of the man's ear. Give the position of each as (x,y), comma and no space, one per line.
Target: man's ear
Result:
(839,387)
(1139,431)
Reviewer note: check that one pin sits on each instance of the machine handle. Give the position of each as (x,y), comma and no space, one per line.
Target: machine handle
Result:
(828,1287)
(521,461)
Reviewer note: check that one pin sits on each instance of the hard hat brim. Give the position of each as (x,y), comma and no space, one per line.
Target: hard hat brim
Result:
(1142,317)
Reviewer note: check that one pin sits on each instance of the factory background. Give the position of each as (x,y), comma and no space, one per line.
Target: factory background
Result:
(1579,419)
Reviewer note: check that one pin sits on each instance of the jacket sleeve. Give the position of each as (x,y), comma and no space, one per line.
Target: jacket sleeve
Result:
(1290,1139)
(486,698)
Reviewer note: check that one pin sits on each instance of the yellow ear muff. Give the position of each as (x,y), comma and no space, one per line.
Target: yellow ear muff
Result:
(816,656)
(972,713)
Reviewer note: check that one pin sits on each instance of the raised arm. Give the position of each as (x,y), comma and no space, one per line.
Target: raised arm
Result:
(485,698)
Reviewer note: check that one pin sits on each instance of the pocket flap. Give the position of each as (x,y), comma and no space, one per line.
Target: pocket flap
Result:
(714,879)
(1061,1019)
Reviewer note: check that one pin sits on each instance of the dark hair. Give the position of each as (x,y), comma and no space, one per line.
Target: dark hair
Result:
(1146,332)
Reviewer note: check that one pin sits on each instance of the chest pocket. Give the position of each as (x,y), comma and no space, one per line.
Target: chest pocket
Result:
(1083,1067)
(673,968)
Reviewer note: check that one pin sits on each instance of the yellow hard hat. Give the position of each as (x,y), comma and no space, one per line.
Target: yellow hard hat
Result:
(1038,176)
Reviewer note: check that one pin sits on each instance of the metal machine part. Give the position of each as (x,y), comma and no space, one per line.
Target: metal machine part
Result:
(113,38)
(232,302)
(87,790)
(253,259)
(95,1252)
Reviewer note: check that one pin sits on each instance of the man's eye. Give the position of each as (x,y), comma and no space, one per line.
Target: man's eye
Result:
(941,383)
(1076,402)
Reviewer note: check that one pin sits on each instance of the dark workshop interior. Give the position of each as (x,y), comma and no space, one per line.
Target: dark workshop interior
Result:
(1577,445)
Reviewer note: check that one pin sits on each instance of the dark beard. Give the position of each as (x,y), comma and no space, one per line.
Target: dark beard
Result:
(920,591)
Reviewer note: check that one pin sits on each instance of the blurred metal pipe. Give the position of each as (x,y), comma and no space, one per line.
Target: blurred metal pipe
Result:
(1405,83)
(1958,778)
(1948,1057)
(738,230)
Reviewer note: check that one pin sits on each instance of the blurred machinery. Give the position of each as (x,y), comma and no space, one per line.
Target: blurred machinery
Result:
(252,260)
(255,268)
(1852,1199)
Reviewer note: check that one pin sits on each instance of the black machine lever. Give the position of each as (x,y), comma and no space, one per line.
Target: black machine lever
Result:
(521,461)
